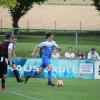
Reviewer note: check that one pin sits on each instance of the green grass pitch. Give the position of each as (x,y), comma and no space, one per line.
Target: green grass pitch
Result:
(37,89)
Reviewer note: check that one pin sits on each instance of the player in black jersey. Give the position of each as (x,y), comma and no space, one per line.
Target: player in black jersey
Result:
(6,49)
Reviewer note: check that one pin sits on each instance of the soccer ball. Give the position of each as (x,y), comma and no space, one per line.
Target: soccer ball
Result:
(59,83)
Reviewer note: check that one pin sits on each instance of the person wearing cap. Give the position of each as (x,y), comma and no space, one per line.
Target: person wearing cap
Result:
(93,55)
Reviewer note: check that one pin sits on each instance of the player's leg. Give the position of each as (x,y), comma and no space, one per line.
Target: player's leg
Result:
(3,72)
(35,73)
(16,73)
(47,63)
(50,68)
(39,71)
(1,75)
(3,79)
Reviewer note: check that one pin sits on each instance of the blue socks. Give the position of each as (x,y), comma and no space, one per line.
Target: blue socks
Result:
(36,74)
(49,76)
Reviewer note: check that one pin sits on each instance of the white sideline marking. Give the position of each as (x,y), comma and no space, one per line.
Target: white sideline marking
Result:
(22,95)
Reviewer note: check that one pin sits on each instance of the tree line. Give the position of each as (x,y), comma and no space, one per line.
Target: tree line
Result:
(18,8)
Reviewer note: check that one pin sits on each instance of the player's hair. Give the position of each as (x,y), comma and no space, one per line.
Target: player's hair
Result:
(14,37)
(48,35)
(7,36)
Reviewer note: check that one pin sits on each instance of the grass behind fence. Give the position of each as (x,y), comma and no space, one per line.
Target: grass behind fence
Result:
(26,44)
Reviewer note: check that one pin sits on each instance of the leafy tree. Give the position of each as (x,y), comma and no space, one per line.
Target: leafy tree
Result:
(21,8)
(97,4)
(18,8)
(8,3)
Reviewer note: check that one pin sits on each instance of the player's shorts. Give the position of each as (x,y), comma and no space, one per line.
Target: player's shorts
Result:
(45,61)
(3,68)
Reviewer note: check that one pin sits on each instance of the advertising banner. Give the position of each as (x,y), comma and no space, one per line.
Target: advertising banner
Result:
(62,68)
(97,70)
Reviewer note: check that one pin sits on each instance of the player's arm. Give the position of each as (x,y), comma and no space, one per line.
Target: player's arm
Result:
(36,48)
(59,49)
(56,46)
(10,48)
(9,58)
(34,51)
(14,53)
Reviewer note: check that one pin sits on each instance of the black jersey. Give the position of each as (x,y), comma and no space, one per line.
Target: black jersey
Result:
(4,49)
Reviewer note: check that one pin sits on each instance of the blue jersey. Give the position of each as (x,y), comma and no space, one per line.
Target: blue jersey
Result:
(47,52)
(48,48)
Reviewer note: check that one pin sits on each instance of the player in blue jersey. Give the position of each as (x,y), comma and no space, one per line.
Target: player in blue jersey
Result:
(47,49)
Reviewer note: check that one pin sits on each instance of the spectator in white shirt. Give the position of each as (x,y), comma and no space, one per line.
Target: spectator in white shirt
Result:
(55,54)
(69,54)
(93,55)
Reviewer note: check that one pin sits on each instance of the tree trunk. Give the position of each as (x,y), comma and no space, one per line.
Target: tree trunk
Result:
(15,26)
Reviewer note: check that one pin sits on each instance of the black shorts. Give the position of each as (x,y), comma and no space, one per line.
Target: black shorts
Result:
(3,69)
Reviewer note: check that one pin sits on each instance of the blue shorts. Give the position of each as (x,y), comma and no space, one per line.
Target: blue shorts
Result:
(45,61)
